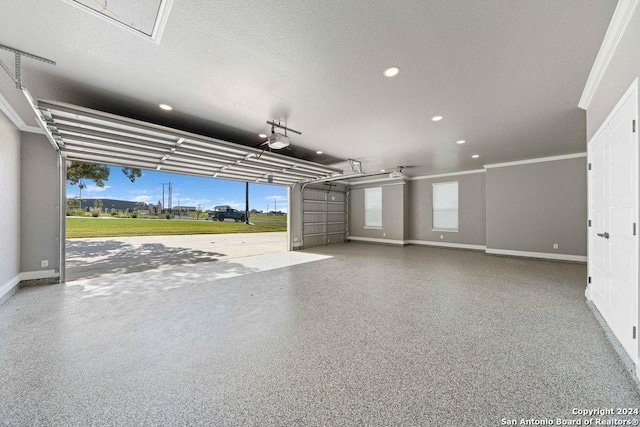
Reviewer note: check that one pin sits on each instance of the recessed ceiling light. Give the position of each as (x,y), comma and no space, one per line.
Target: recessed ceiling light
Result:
(462,141)
(391,72)
(437,118)
(319,152)
(475,156)
(382,170)
(166,107)
(262,135)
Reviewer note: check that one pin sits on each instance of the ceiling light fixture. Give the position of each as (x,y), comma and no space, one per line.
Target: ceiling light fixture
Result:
(391,72)
(475,156)
(437,118)
(166,107)
(262,135)
(319,152)
(462,141)
(382,170)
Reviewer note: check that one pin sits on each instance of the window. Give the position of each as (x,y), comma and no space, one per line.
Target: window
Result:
(445,206)
(373,207)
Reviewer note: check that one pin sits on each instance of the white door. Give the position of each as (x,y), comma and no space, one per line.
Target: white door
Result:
(597,213)
(613,243)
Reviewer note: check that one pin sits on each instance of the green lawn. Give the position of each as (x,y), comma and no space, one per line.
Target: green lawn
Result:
(113,227)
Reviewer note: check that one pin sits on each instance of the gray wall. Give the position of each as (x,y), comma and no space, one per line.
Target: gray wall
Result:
(623,69)
(39,204)
(10,201)
(471,210)
(394,212)
(530,207)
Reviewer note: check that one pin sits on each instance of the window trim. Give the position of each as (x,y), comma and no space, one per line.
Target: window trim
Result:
(367,225)
(433,208)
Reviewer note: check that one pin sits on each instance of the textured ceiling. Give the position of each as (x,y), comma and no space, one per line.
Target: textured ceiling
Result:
(507,75)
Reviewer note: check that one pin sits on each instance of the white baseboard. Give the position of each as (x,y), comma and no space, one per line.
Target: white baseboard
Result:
(543,255)
(447,244)
(43,274)
(9,286)
(375,240)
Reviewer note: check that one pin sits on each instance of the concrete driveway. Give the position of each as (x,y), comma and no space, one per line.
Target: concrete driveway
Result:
(105,256)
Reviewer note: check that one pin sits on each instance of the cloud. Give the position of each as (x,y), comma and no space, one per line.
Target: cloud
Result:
(95,189)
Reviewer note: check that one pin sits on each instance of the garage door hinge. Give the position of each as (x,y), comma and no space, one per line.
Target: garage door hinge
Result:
(589,279)
(589,223)
(589,166)
(634,126)
(634,228)
(634,332)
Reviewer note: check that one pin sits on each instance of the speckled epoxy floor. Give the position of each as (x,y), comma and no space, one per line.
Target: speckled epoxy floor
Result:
(355,335)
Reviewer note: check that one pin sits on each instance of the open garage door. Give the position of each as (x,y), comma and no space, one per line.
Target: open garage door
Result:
(93,136)
(96,137)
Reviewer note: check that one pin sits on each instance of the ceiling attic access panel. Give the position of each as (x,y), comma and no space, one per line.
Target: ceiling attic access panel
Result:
(146,18)
(94,136)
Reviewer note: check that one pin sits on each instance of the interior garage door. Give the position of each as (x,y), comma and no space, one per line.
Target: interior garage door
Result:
(324,217)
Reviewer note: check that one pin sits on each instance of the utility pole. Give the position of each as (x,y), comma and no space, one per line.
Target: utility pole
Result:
(275,204)
(246,204)
(162,195)
(170,193)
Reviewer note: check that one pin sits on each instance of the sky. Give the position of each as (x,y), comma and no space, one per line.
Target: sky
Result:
(187,191)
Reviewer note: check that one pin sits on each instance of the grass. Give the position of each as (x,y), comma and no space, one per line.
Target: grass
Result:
(118,227)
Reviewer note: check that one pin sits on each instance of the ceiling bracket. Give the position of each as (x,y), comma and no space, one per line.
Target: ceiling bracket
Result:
(356,166)
(16,76)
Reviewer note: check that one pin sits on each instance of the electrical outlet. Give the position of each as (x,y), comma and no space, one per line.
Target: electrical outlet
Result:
(441,236)
(384,234)
(295,239)
(555,246)
(44,263)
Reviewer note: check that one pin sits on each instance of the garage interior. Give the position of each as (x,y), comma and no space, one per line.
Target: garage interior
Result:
(463,210)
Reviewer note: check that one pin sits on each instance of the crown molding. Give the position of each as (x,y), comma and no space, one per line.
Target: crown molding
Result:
(15,118)
(617,27)
(443,175)
(538,160)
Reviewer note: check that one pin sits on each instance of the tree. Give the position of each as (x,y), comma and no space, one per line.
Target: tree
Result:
(72,204)
(78,172)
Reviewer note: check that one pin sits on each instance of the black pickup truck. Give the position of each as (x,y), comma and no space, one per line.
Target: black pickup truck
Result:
(220,213)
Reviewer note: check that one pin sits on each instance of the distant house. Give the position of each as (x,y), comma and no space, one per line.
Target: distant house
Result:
(114,205)
(181,210)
